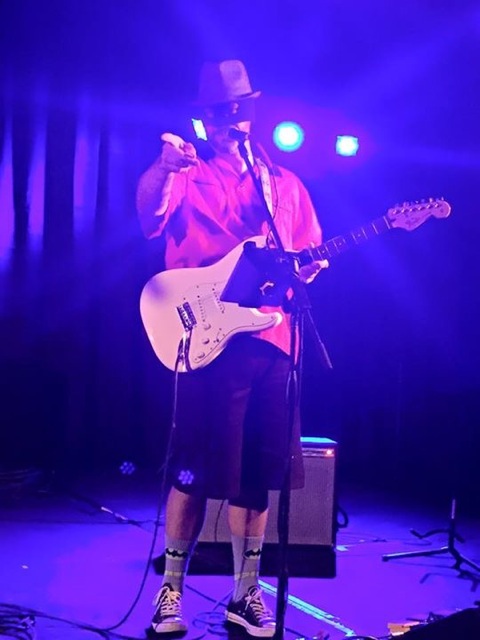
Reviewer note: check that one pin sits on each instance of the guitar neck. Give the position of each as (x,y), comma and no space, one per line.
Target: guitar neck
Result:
(340,244)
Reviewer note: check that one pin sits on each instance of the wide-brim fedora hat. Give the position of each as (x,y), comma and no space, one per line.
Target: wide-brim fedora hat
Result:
(221,82)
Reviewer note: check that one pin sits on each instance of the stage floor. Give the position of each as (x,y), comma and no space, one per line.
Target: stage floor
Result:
(64,555)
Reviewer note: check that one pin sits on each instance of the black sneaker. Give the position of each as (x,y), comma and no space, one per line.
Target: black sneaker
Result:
(168,613)
(252,613)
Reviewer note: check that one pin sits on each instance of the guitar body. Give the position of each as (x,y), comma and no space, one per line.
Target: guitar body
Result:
(182,311)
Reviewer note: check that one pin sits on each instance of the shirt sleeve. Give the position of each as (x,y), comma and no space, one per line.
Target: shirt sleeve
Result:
(307,228)
(152,216)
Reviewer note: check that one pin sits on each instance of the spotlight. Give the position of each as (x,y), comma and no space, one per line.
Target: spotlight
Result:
(347,145)
(288,136)
(127,468)
(185,477)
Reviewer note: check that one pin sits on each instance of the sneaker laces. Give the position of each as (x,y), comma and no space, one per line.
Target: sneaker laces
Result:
(168,602)
(260,610)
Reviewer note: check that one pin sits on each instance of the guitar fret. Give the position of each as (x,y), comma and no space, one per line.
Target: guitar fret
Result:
(376,228)
(359,235)
(339,243)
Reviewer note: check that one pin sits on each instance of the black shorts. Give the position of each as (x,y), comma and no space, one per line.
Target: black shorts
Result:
(232,429)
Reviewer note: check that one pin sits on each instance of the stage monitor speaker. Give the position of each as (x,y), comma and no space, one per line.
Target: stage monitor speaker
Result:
(312,524)
(463,625)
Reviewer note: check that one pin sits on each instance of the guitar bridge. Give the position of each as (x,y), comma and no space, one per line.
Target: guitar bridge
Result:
(187,316)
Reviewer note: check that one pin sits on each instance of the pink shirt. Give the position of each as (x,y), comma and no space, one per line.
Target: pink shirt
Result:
(212,209)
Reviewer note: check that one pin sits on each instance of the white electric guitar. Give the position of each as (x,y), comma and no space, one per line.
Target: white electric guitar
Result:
(187,319)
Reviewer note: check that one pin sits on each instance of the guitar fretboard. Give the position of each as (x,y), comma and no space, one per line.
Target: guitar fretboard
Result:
(339,244)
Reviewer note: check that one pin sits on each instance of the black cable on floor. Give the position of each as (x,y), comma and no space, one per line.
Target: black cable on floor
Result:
(18,626)
(14,612)
(212,621)
(342,524)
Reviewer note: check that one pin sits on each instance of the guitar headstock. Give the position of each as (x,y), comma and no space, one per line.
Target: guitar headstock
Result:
(411,215)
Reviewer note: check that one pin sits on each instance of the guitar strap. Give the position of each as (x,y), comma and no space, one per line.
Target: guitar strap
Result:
(266,184)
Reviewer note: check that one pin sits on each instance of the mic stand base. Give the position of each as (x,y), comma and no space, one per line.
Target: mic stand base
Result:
(448,548)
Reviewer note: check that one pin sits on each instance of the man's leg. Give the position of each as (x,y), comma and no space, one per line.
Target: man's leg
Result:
(247,608)
(247,528)
(183,521)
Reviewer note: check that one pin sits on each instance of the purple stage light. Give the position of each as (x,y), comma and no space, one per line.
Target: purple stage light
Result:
(185,477)
(127,468)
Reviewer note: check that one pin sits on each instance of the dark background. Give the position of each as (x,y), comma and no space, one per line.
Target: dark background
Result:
(87,89)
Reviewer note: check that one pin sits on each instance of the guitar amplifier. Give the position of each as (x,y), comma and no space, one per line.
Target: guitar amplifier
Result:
(312,524)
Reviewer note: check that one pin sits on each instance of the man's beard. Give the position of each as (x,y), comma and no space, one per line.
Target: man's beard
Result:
(221,143)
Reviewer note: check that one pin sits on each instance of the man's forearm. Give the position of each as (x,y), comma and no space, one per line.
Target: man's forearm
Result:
(155,186)
(154,190)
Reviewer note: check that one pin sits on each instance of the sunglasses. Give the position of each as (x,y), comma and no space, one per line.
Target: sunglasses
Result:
(230,112)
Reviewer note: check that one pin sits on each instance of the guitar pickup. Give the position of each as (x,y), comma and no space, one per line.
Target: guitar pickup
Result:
(187,316)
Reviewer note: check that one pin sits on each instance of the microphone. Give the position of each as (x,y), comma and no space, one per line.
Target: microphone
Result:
(236,134)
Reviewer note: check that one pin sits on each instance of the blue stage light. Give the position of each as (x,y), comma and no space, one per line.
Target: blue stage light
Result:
(288,136)
(347,145)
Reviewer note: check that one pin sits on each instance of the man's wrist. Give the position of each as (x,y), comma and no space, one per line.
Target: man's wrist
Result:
(162,169)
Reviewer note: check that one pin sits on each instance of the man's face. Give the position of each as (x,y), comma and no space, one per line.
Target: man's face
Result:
(219,139)
(222,117)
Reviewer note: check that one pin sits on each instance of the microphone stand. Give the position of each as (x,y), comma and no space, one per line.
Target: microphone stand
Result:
(301,313)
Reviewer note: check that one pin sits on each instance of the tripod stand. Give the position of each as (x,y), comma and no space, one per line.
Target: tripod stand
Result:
(448,548)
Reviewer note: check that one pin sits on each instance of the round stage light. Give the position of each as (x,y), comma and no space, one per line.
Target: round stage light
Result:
(347,145)
(288,136)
